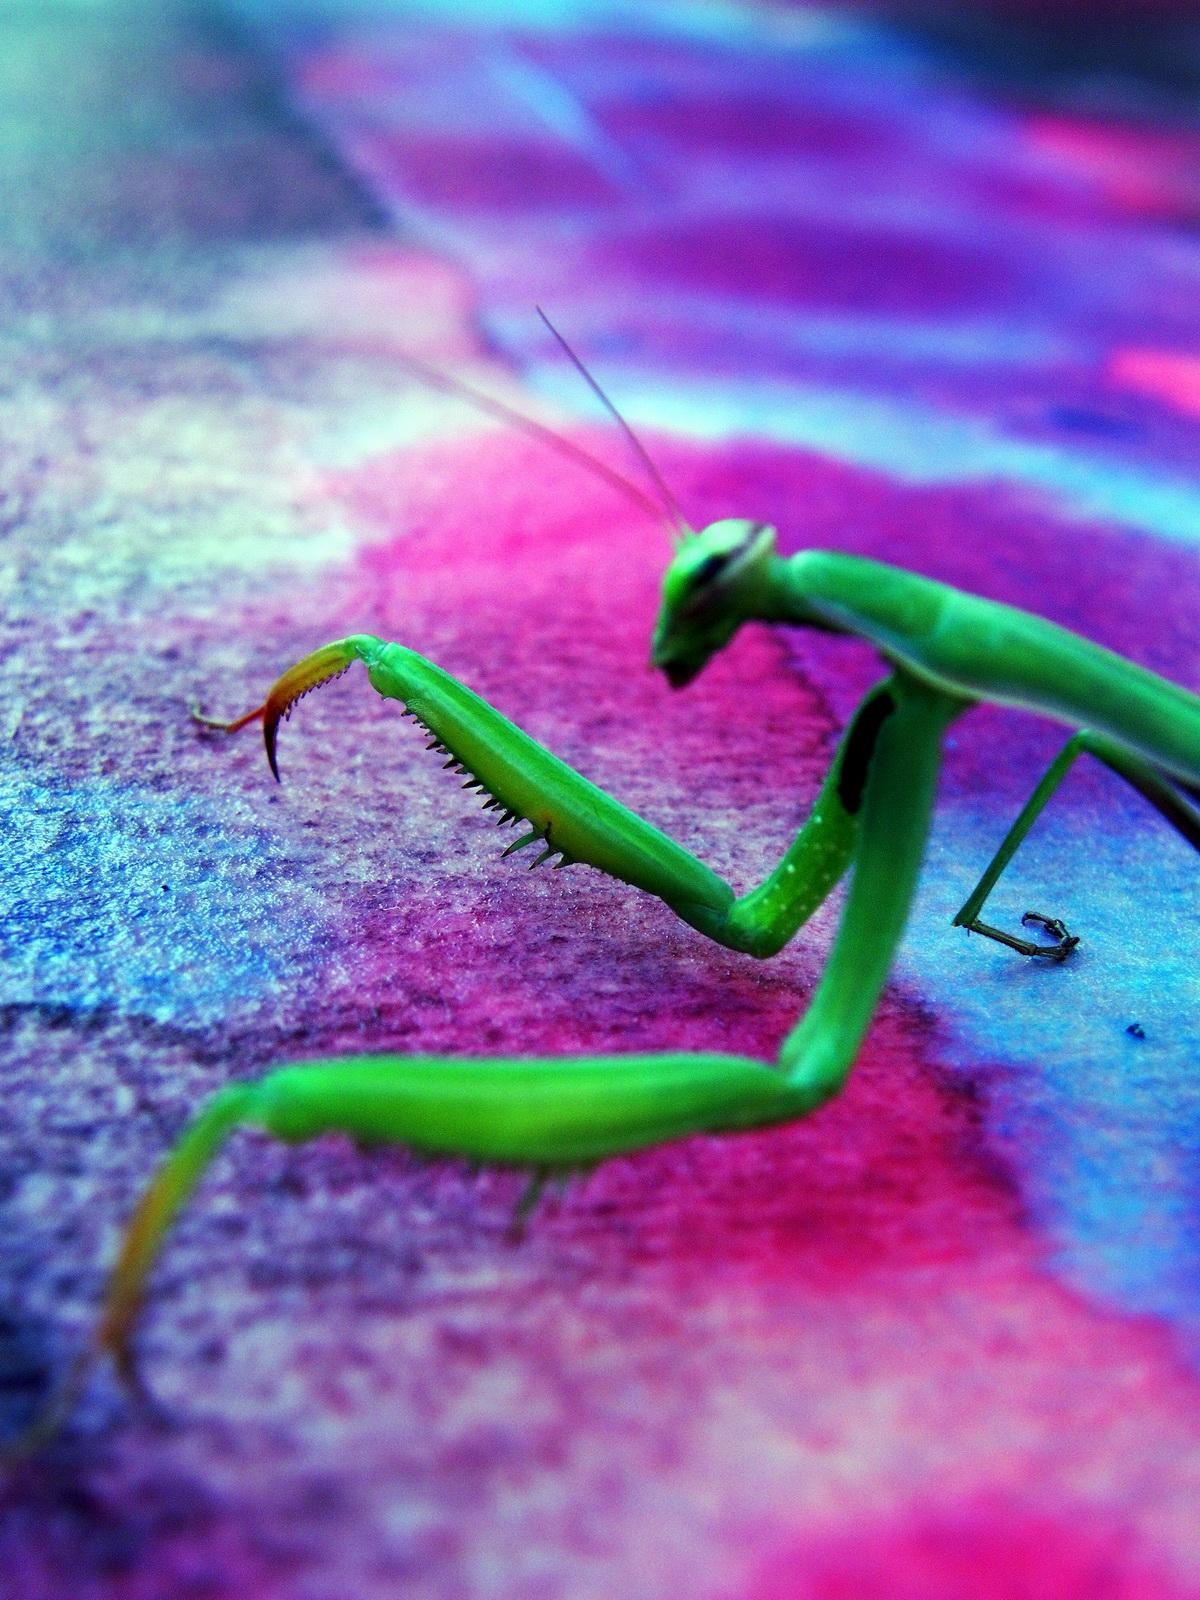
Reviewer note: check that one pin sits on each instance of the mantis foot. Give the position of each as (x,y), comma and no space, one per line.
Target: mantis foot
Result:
(1063,941)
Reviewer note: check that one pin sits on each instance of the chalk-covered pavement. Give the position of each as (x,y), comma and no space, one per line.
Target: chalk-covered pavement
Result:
(944,1339)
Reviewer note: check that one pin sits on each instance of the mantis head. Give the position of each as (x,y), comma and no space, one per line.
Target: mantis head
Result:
(715,583)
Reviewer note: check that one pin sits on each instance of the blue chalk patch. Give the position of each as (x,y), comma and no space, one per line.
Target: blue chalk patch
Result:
(127,897)
(1100,1128)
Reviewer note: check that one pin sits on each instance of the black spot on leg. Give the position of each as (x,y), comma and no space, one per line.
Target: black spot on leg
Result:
(860,747)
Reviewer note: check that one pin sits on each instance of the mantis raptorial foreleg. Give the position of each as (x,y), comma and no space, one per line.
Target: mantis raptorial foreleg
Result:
(1163,795)
(570,817)
(551,1114)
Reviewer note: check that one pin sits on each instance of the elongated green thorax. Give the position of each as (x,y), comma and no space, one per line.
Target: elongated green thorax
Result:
(982,650)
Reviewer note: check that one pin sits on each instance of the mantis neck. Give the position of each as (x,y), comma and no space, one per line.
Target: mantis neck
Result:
(797,590)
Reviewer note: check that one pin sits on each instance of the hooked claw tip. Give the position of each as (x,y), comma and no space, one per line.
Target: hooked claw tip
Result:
(320,667)
(270,733)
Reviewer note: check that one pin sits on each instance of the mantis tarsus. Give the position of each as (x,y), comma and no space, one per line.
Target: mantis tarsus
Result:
(945,651)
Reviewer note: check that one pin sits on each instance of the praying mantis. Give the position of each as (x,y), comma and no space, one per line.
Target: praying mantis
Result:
(944,650)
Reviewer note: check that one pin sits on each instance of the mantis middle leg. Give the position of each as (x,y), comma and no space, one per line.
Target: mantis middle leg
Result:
(1163,795)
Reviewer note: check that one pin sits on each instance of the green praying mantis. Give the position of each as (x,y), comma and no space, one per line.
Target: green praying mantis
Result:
(944,651)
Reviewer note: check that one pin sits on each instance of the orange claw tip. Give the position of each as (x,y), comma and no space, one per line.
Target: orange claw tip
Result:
(322,666)
(216,724)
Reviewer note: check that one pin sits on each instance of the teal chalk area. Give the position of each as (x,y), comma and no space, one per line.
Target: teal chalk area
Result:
(911,441)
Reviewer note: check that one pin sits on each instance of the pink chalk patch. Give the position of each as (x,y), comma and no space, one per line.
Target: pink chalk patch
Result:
(1146,171)
(1162,374)
(751,123)
(985,1551)
(343,73)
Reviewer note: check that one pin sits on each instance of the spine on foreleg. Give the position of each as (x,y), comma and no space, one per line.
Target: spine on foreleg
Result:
(575,817)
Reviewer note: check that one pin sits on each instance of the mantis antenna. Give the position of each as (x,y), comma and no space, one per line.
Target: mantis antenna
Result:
(670,504)
(547,436)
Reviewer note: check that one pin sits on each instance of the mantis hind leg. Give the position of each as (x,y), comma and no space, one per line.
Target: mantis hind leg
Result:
(1162,794)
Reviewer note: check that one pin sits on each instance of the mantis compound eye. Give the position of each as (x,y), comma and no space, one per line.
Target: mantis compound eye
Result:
(710,567)
(719,567)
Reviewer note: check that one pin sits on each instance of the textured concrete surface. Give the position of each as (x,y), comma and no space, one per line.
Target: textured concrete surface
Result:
(942,1340)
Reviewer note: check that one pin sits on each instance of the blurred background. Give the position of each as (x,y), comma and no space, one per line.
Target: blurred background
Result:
(915,281)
